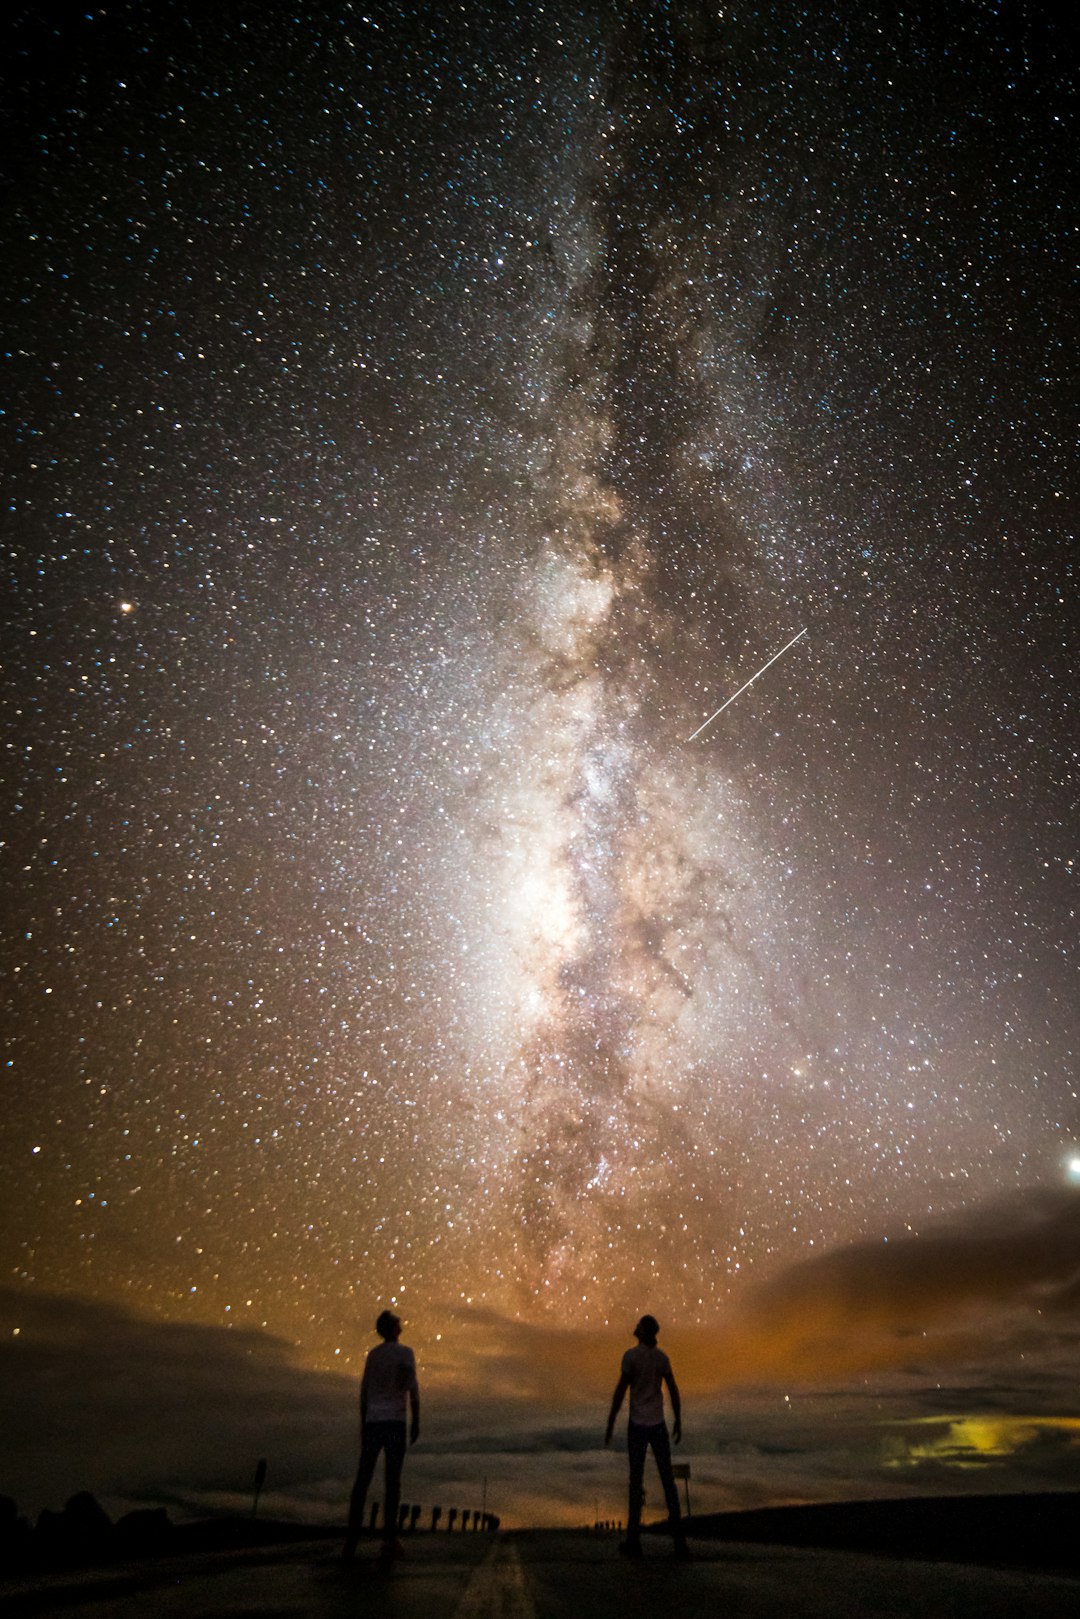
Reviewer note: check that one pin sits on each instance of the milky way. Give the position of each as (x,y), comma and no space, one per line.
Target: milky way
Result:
(422,421)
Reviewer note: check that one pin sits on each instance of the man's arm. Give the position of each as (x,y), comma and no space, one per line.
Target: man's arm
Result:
(616,1401)
(676,1404)
(363,1395)
(414,1406)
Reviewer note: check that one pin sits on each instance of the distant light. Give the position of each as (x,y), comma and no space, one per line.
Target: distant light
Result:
(127,607)
(1073,1167)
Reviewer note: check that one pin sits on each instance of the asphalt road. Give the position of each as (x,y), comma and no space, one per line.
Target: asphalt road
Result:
(545,1575)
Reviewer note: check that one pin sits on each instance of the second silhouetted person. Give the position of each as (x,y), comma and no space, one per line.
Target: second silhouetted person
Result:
(645,1370)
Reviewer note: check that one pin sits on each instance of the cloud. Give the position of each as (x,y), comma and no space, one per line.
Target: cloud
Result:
(970,1287)
(975,1317)
(534,1364)
(92,1397)
(979,1289)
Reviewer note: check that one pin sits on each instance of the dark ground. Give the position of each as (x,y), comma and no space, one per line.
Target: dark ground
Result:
(1022,1531)
(988,1557)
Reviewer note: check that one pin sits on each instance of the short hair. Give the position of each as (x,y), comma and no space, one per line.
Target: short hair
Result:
(386,1323)
(647,1327)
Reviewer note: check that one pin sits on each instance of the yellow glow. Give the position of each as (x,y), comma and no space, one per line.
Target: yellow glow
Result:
(977,1441)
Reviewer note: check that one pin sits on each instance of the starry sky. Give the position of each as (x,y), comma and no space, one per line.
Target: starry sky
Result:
(419,420)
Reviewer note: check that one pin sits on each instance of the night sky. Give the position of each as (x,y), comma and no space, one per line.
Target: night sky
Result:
(418,421)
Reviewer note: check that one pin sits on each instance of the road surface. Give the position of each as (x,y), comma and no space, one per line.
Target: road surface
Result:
(543,1574)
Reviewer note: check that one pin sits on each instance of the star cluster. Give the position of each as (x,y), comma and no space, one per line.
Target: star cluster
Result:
(420,420)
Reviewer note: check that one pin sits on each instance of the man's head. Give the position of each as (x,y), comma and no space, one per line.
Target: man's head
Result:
(388,1326)
(647,1329)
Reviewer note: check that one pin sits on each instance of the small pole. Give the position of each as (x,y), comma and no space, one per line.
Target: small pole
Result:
(260,1480)
(682,1470)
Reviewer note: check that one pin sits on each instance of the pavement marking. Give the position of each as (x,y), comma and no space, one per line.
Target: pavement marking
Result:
(497,1588)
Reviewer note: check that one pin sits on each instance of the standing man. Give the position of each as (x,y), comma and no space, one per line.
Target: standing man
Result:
(389,1376)
(644,1371)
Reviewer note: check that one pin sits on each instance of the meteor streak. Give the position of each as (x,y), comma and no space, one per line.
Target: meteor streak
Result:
(750,682)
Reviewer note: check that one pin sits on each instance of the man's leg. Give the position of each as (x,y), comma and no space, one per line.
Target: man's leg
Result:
(370,1445)
(661,1446)
(395,1457)
(637,1443)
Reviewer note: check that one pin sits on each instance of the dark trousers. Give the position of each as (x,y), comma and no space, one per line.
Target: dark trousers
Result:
(639,1436)
(375,1437)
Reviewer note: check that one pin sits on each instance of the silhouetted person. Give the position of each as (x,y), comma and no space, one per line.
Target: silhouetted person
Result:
(389,1379)
(644,1372)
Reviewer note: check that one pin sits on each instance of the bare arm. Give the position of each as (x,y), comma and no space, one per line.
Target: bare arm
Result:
(414,1402)
(676,1404)
(616,1401)
(363,1396)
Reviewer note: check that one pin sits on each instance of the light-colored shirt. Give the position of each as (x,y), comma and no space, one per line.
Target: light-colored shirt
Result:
(389,1375)
(645,1367)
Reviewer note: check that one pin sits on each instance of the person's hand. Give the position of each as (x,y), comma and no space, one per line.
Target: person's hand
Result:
(607,1435)
(414,1432)
(676,1432)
